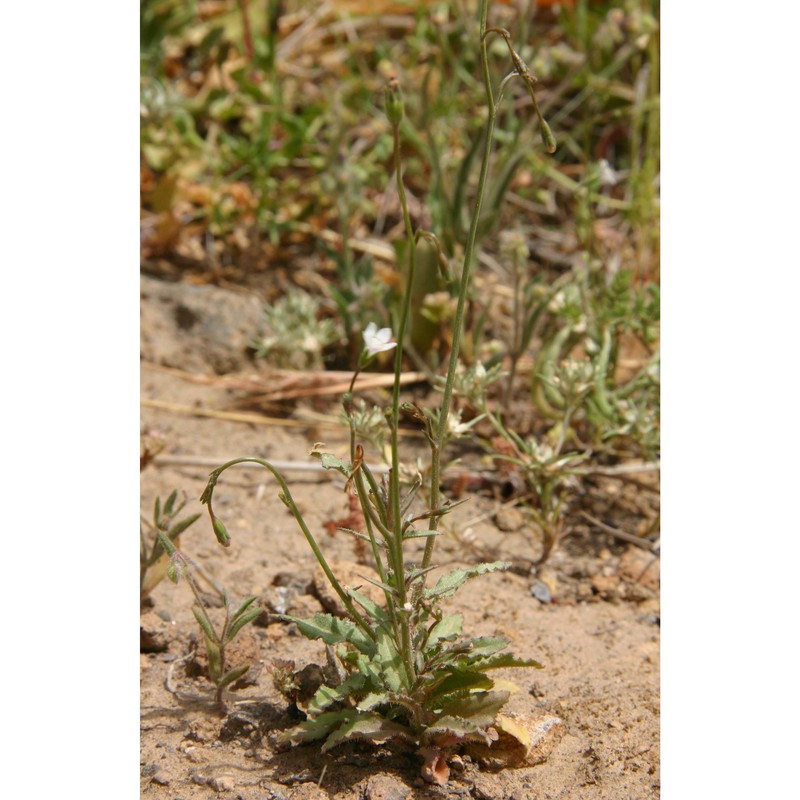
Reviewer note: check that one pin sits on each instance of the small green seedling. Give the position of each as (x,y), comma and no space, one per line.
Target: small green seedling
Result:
(153,558)
(236,617)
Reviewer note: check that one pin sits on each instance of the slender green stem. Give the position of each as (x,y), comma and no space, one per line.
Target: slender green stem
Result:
(289,501)
(458,323)
(394,477)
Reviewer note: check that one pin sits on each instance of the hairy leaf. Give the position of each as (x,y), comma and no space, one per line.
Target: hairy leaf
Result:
(486,646)
(373,700)
(234,675)
(454,726)
(329,461)
(179,527)
(479,708)
(421,534)
(370,606)
(245,604)
(446,629)
(326,696)
(458,681)
(333,630)
(392,668)
(370,727)
(315,728)
(247,616)
(504,660)
(449,583)
(369,667)
(204,622)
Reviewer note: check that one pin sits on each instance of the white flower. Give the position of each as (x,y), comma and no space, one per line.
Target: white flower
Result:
(608,177)
(378,341)
(455,427)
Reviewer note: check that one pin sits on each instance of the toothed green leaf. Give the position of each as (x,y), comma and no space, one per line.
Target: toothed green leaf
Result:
(370,606)
(372,700)
(449,583)
(460,681)
(504,660)
(479,708)
(485,646)
(446,629)
(315,728)
(370,727)
(326,696)
(455,726)
(333,630)
(329,461)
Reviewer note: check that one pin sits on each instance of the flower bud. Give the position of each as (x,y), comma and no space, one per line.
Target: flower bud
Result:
(221,532)
(548,140)
(393,102)
(174,571)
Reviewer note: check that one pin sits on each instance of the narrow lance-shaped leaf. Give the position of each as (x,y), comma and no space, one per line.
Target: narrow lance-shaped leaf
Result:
(170,504)
(214,660)
(179,527)
(414,534)
(204,622)
(233,675)
(243,606)
(248,616)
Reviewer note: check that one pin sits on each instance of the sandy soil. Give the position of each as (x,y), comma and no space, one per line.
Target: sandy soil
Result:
(598,639)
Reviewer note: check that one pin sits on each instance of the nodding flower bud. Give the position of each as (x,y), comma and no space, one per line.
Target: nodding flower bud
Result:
(221,532)
(394,101)
(548,140)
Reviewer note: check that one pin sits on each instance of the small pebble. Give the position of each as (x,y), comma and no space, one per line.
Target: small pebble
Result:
(541,591)
(386,787)
(224,783)
(509,519)
(308,791)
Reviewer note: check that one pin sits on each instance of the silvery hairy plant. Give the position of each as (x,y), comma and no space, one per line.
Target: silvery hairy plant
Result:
(406,672)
